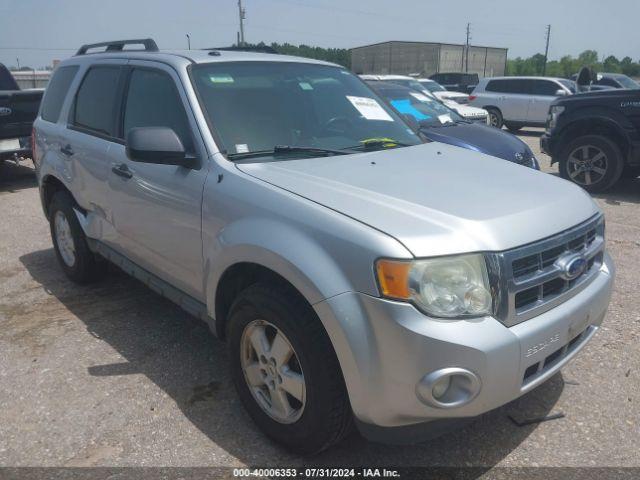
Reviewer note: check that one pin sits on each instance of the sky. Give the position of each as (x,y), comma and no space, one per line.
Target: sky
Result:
(38,31)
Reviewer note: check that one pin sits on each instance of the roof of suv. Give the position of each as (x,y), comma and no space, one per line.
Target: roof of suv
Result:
(187,57)
(523,77)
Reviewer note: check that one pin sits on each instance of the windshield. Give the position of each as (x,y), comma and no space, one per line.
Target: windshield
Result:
(432,86)
(627,82)
(427,111)
(257,106)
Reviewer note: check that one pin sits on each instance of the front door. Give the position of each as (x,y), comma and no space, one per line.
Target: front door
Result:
(157,208)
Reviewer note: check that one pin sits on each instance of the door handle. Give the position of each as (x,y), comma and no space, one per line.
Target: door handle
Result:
(66,150)
(122,171)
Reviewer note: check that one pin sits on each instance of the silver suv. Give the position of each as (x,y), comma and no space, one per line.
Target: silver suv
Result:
(517,102)
(358,275)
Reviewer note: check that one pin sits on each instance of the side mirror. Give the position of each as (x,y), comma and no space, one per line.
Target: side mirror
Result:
(561,93)
(159,145)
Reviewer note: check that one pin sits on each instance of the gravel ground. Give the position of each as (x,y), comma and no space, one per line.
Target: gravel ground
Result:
(114,375)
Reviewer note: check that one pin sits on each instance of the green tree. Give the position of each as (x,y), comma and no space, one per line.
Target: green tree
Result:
(611,64)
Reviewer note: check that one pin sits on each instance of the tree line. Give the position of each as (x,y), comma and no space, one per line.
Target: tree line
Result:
(568,65)
(341,56)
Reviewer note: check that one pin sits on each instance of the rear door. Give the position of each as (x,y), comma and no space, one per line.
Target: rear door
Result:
(91,134)
(157,208)
(543,93)
(515,99)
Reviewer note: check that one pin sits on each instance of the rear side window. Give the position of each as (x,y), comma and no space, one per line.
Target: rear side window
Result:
(153,101)
(97,100)
(545,87)
(56,92)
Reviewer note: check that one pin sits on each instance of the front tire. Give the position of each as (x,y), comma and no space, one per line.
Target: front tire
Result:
(79,263)
(495,117)
(513,128)
(592,161)
(285,369)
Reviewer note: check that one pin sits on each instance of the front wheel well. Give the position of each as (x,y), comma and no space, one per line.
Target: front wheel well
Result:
(596,127)
(237,278)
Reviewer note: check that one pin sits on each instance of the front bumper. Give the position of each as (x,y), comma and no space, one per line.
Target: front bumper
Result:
(387,348)
(546,144)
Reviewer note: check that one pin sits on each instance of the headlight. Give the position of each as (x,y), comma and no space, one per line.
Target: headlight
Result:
(449,287)
(554,113)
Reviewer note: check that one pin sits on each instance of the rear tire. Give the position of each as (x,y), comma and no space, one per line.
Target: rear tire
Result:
(318,414)
(79,263)
(495,117)
(514,128)
(592,161)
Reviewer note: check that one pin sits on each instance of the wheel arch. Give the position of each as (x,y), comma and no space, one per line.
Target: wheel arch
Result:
(49,186)
(596,126)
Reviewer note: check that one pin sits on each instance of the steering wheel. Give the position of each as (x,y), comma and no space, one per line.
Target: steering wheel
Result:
(337,125)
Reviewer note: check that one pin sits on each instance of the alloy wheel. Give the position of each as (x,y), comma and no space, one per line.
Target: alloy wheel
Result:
(272,371)
(64,239)
(587,165)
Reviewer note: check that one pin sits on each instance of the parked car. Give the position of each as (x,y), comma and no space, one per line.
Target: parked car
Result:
(18,110)
(441,124)
(357,274)
(457,81)
(595,137)
(517,102)
(612,80)
(442,93)
(473,114)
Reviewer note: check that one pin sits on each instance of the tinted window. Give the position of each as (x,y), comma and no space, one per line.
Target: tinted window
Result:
(545,87)
(56,93)
(153,101)
(7,82)
(96,101)
(609,82)
(518,86)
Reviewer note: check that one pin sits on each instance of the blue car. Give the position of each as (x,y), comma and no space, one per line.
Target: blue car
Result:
(441,124)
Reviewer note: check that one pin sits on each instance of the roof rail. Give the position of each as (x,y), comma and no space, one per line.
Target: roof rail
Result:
(257,49)
(118,45)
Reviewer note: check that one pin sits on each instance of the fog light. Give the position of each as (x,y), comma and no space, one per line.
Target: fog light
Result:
(449,387)
(440,387)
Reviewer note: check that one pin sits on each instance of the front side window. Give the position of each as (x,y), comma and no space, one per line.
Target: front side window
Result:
(153,101)
(257,106)
(96,102)
(56,92)
(545,88)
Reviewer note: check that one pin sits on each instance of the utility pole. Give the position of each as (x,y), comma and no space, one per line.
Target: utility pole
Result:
(18,62)
(242,13)
(188,41)
(546,51)
(466,48)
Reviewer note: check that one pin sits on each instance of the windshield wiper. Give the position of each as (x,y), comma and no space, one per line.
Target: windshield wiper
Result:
(377,143)
(279,149)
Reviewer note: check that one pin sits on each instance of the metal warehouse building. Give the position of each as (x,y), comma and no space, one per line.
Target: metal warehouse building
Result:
(424,58)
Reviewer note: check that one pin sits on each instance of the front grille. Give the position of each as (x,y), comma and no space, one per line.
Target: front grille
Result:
(533,282)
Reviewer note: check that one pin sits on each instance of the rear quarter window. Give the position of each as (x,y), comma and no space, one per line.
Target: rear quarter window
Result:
(56,92)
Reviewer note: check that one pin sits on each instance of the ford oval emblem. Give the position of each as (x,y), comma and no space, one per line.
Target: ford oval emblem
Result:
(571,266)
(4,111)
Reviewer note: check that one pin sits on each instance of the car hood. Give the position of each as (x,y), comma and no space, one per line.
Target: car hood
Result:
(436,199)
(451,95)
(481,138)
(465,110)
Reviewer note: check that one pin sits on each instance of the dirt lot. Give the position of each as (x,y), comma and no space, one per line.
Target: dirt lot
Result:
(115,375)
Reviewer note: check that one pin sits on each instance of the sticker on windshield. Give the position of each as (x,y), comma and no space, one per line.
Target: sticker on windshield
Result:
(420,97)
(242,148)
(221,78)
(446,118)
(305,86)
(369,108)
